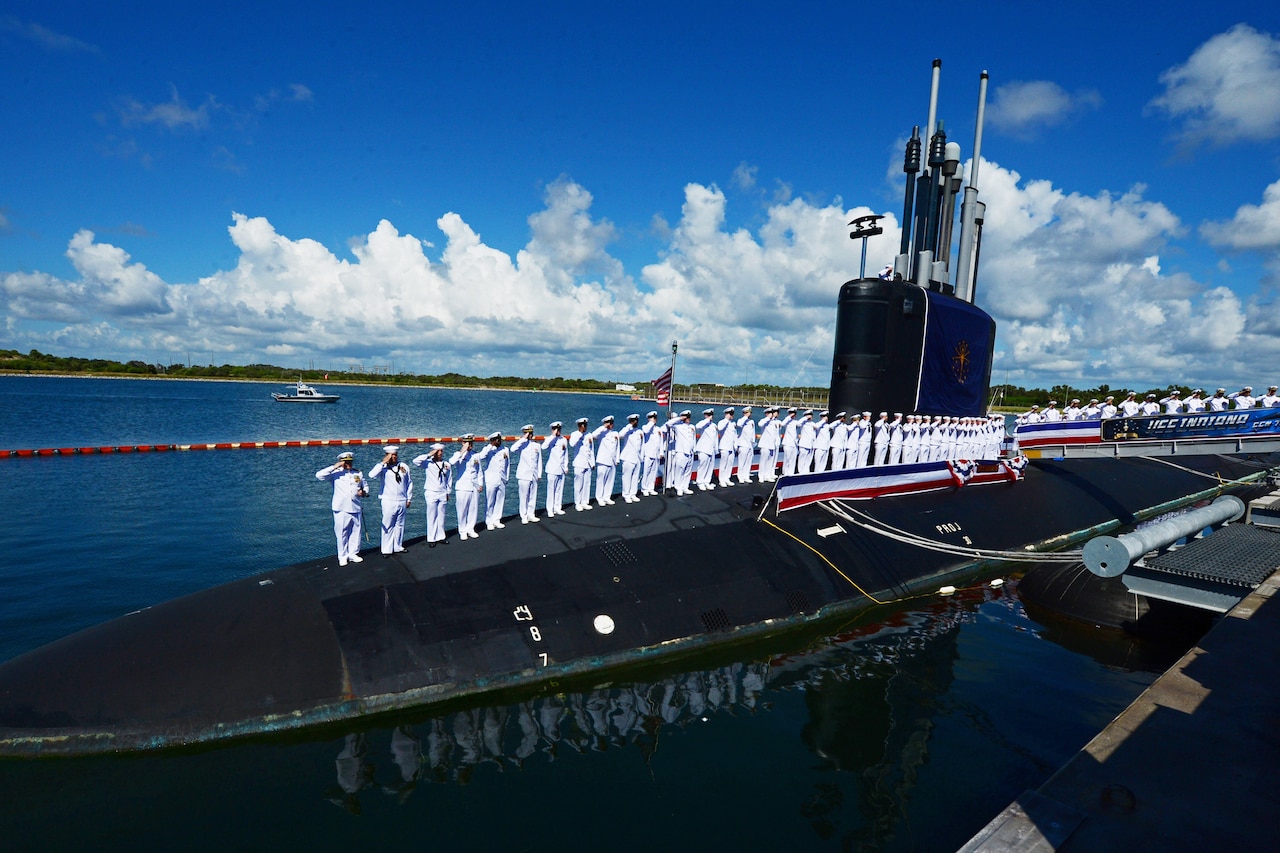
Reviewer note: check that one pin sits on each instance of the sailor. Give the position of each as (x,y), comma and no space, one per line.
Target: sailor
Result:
(839,440)
(395,497)
(1129,406)
(728,445)
(770,437)
(1051,412)
(582,447)
(437,477)
(557,447)
(895,439)
(886,274)
(468,482)
(1033,416)
(746,446)
(1270,400)
(1219,401)
(790,427)
(911,440)
(805,444)
(881,439)
(1195,403)
(1091,412)
(631,440)
(708,441)
(864,441)
(496,461)
(1150,406)
(1243,398)
(1108,409)
(684,440)
(822,442)
(606,442)
(348,489)
(1173,403)
(652,449)
(938,439)
(528,453)
(1072,411)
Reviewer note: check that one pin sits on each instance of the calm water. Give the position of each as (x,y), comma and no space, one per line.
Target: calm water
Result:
(908,730)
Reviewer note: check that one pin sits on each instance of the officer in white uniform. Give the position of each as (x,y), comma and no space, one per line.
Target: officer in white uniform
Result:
(1071,412)
(1173,403)
(911,440)
(606,443)
(582,447)
(437,477)
(1243,398)
(1270,400)
(790,427)
(708,442)
(467,485)
(1109,409)
(528,455)
(770,436)
(496,460)
(680,427)
(1195,403)
(822,441)
(727,445)
(1151,406)
(654,446)
(806,442)
(882,439)
(864,441)
(895,439)
(1129,406)
(1051,412)
(839,441)
(1219,401)
(557,447)
(631,440)
(746,446)
(395,496)
(348,489)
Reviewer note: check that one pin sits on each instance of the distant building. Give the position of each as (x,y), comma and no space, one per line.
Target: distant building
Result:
(621,387)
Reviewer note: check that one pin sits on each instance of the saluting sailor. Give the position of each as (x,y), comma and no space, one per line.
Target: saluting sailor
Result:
(1243,398)
(348,489)
(881,439)
(681,430)
(652,447)
(395,496)
(437,478)
(808,437)
(822,442)
(496,460)
(839,440)
(1219,401)
(606,441)
(864,441)
(790,427)
(1195,403)
(895,439)
(582,447)
(770,434)
(467,485)
(528,455)
(631,438)
(557,447)
(708,441)
(746,446)
(1270,400)
(728,446)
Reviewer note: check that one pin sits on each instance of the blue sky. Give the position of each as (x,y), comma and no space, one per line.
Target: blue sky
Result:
(563,189)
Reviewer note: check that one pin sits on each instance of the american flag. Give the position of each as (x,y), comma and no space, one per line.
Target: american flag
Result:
(662,388)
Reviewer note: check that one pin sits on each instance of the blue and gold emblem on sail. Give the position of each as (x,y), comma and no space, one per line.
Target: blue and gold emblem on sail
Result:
(961,361)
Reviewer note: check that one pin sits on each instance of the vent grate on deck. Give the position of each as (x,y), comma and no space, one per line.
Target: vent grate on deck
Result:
(716,620)
(618,553)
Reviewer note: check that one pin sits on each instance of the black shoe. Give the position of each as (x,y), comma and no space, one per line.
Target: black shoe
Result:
(431,545)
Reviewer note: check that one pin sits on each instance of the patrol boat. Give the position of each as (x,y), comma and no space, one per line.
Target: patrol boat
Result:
(582,598)
(303,393)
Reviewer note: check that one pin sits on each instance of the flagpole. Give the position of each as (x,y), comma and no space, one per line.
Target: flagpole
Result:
(671,401)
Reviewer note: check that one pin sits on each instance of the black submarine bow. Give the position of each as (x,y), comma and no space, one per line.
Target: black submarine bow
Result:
(914,341)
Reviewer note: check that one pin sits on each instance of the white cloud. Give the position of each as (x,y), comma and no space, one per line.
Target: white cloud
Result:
(173,114)
(1255,227)
(1226,91)
(1024,108)
(44,37)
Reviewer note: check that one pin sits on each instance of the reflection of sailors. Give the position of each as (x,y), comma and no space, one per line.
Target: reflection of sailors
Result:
(681,430)
(584,459)
(728,445)
(557,447)
(631,439)
(437,478)
(790,427)
(406,753)
(651,450)
(606,444)
(496,460)
(348,488)
(528,472)
(395,497)
(466,486)
(354,770)
(708,441)
(746,445)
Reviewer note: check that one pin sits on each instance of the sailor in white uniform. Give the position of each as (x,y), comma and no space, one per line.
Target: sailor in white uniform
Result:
(680,427)
(728,445)
(468,482)
(895,439)
(881,439)
(1270,400)
(839,441)
(606,443)
(1071,412)
(582,447)
(1129,406)
(806,442)
(557,447)
(652,449)
(631,439)
(790,427)
(437,477)
(1150,406)
(496,461)
(770,436)
(348,489)
(1108,409)
(864,441)
(822,441)
(1219,401)
(911,440)
(1051,412)
(1243,398)
(1091,412)
(1173,403)
(395,497)
(746,446)
(528,453)
(1195,403)
(708,442)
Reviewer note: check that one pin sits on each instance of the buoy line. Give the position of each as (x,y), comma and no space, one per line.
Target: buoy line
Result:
(230,445)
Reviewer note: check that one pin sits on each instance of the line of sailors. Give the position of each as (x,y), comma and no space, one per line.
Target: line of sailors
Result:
(1173,404)
(722,451)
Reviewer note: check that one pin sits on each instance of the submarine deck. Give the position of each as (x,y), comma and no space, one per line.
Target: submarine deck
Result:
(315,643)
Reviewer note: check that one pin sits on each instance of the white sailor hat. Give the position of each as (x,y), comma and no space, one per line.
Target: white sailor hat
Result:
(1053,402)
(1222,390)
(1175,393)
(496,436)
(840,415)
(1075,399)
(897,414)
(808,412)
(1109,397)
(555,425)
(467,436)
(527,428)
(582,421)
(708,411)
(607,419)
(728,409)
(633,417)
(437,446)
(346,454)
(884,414)
(1151,396)
(391,448)
(1247,388)
(792,409)
(866,414)
(1095,399)
(652,415)
(686,414)
(1197,391)
(1135,393)
(1273,388)
(746,408)
(1034,406)
(824,413)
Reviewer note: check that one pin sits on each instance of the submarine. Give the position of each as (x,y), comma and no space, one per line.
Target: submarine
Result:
(581,598)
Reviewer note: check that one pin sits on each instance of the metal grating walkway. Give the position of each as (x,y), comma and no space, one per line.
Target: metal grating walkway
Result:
(1238,555)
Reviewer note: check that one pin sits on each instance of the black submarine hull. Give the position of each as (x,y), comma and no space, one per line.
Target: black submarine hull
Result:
(575,596)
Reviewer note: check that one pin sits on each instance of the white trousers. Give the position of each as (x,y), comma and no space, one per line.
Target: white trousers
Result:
(706,465)
(649,477)
(789,458)
(436,504)
(630,479)
(768,463)
(392,526)
(528,498)
(555,493)
(466,508)
(604,482)
(495,498)
(745,452)
(346,527)
(581,486)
